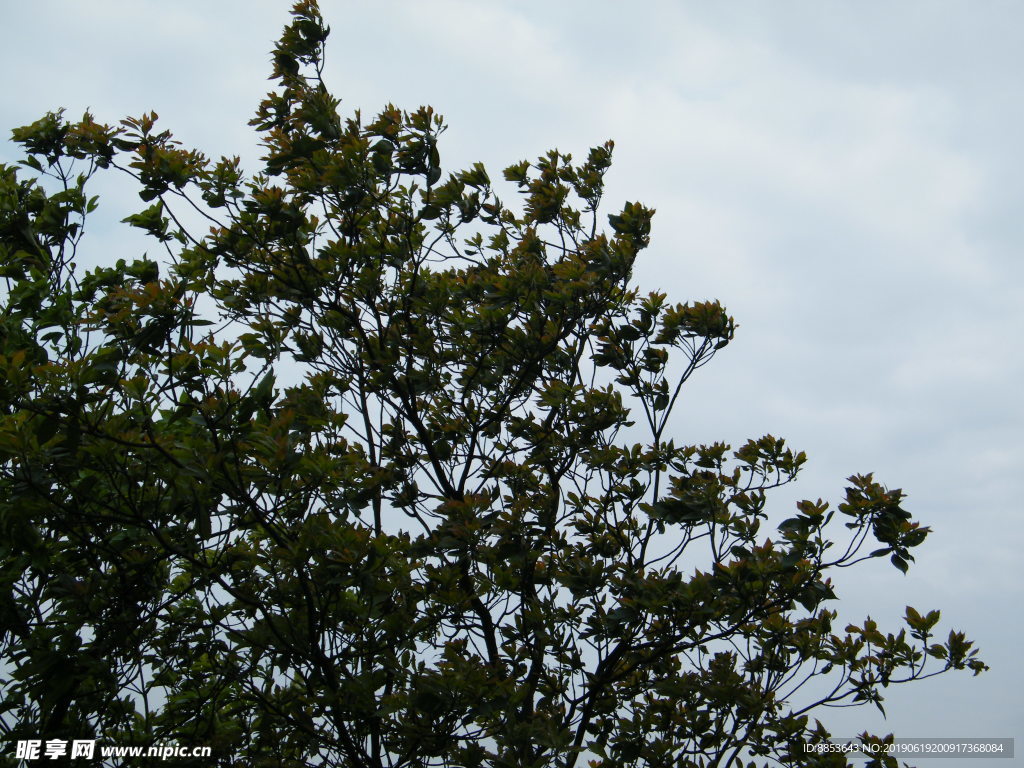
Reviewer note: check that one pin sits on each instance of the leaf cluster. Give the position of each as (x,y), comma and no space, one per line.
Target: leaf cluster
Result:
(375,470)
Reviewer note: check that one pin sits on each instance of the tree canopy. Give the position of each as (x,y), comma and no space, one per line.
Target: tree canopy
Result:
(372,468)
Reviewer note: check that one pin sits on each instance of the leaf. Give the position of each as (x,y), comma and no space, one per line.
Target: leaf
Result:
(263,393)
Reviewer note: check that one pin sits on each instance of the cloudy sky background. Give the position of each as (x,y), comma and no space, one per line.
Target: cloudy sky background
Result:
(847,178)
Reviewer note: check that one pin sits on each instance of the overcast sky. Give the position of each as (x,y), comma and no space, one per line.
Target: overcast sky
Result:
(846,177)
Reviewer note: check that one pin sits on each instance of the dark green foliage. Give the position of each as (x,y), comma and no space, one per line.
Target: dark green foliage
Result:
(374,472)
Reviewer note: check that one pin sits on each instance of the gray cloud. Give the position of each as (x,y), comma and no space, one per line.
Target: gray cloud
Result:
(845,177)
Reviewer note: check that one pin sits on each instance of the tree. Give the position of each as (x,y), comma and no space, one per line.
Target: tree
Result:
(376,471)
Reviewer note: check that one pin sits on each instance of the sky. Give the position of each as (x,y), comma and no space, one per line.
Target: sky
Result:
(846,177)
